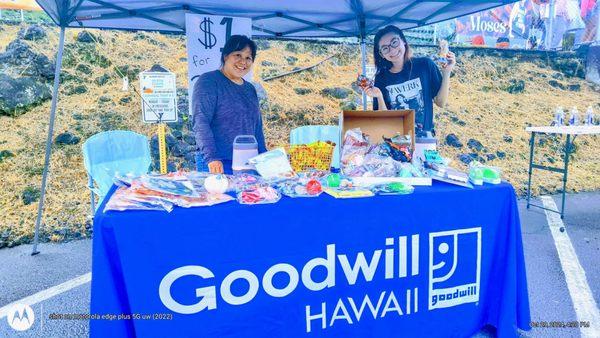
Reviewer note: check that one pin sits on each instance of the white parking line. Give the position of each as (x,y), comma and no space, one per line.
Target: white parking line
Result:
(585,306)
(48,293)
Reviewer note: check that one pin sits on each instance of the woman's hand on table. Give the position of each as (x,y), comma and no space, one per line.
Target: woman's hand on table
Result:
(215,167)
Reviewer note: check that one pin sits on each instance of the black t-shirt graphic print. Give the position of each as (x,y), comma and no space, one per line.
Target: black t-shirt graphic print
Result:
(412,88)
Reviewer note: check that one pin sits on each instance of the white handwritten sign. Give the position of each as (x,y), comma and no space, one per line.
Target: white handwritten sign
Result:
(206,36)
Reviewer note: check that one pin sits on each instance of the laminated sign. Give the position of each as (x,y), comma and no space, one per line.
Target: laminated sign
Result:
(159,97)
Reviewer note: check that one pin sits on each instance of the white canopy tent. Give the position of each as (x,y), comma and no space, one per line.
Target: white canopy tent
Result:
(270,18)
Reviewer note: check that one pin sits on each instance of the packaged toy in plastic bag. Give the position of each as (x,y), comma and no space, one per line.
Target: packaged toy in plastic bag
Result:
(129,199)
(479,173)
(355,148)
(259,195)
(175,185)
(395,188)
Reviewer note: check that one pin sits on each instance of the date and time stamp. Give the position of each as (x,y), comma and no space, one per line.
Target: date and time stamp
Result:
(559,324)
(167,316)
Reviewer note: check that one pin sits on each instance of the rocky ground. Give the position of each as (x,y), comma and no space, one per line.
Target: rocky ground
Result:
(494,96)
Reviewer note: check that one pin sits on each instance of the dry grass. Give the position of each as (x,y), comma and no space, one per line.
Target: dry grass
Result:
(477,98)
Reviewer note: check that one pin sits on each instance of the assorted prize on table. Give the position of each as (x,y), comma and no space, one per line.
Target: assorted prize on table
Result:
(368,168)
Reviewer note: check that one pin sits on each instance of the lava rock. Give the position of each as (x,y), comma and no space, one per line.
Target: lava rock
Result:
(262,44)
(501,154)
(336,92)
(291,60)
(125,100)
(32,33)
(105,98)
(475,145)
(490,157)
(516,86)
(19,60)
(5,154)
(507,138)
(574,87)
(178,149)
(86,37)
(30,195)
(189,139)
(466,159)
(348,105)
(83,68)
(457,121)
(302,91)
(102,80)
(453,141)
(291,47)
(66,138)
(182,100)
(266,63)
(171,141)
(18,95)
(556,84)
(177,134)
(571,67)
(81,89)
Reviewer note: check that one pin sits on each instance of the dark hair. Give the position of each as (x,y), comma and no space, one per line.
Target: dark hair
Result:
(237,43)
(380,62)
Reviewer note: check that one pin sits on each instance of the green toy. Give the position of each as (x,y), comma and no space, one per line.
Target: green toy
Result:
(333,180)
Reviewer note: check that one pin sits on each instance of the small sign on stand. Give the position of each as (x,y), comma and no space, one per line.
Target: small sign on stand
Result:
(159,105)
(159,96)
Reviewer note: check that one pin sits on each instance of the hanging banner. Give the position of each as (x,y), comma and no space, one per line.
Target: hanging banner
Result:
(206,35)
(159,97)
(526,24)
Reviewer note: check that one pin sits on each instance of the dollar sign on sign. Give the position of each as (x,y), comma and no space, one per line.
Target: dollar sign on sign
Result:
(210,40)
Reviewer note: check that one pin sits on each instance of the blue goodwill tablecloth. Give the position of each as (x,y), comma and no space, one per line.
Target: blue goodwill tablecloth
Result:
(441,262)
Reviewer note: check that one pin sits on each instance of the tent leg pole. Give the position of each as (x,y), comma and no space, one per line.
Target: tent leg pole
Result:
(363,53)
(61,46)
(550,27)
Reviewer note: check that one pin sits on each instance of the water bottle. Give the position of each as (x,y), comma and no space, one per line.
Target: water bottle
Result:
(574,118)
(589,116)
(559,117)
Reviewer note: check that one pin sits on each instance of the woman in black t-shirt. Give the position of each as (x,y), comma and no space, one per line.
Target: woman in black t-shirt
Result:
(403,81)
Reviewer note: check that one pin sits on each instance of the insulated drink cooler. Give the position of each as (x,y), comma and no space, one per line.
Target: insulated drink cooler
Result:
(245,147)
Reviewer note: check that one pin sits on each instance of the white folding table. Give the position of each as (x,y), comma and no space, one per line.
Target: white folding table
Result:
(562,130)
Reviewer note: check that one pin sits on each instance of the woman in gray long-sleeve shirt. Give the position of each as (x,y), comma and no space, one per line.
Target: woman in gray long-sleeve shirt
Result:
(225,106)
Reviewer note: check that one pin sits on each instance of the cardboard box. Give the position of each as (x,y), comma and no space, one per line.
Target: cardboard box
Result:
(379,123)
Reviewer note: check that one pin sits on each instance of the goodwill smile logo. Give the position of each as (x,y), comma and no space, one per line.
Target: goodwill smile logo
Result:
(454,267)
(453,279)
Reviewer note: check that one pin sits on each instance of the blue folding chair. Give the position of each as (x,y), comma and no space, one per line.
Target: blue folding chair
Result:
(308,134)
(111,152)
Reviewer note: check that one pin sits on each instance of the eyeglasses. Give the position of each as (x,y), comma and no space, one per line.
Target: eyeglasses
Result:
(386,49)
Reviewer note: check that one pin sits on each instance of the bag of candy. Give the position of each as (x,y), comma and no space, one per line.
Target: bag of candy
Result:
(355,146)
